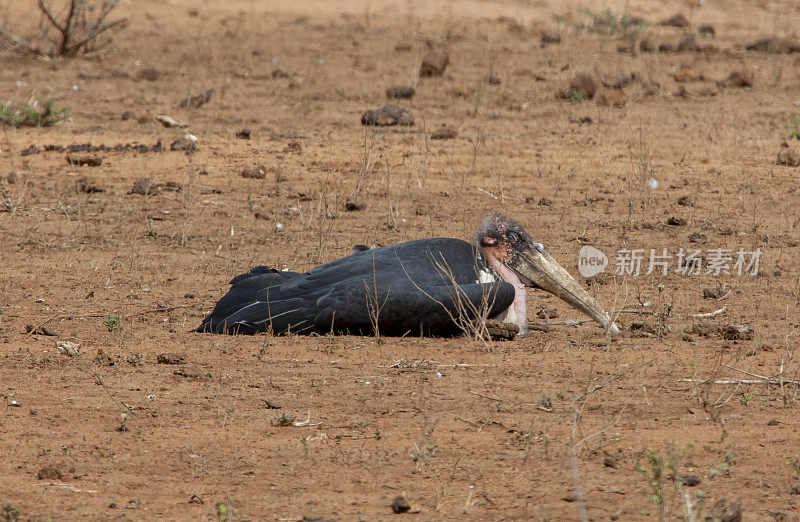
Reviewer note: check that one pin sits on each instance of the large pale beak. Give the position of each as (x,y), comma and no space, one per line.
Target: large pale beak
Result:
(544,272)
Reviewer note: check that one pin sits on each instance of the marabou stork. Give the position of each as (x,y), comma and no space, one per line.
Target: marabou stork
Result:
(426,287)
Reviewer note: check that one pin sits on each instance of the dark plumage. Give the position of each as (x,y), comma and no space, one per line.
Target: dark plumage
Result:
(418,287)
(427,287)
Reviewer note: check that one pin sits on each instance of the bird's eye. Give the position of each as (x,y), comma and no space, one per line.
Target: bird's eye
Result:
(512,237)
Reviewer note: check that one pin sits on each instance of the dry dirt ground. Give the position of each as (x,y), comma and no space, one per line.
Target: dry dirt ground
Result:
(466,429)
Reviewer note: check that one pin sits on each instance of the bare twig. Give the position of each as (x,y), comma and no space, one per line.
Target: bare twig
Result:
(709,315)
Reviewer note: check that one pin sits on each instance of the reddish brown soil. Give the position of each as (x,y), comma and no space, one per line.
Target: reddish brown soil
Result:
(465,429)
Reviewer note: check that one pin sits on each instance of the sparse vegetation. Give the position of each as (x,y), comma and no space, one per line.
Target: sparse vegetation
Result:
(37,112)
(610,22)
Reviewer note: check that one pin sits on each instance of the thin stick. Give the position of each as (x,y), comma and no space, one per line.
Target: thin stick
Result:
(741,381)
(709,314)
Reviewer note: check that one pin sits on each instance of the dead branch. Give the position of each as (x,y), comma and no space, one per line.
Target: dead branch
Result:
(709,315)
(77,32)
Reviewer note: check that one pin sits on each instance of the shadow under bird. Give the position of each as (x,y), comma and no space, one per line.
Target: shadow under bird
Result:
(433,287)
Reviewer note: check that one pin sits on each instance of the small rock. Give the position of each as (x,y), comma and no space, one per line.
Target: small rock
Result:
(788,156)
(68,348)
(773,422)
(185,145)
(259,172)
(148,74)
(707,30)
(189,295)
(689,480)
(400,92)
(278,74)
(197,101)
(112,505)
(584,83)
(545,202)
(127,115)
(144,186)
(144,118)
(775,45)
(696,237)
(676,20)
(444,133)
(88,186)
(355,203)
(89,161)
(244,134)
(714,293)
(400,505)
(725,510)
(676,221)
(434,62)
(736,332)
(49,473)
(685,201)
(387,115)
(170,358)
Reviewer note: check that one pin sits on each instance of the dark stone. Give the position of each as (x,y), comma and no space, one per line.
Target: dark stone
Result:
(444,133)
(690,480)
(355,203)
(170,358)
(400,505)
(49,473)
(387,115)
(185,145)
(400,92)
(89,187)
(244,134)
(144,186)
(736,332)
(725,510)
(676,221)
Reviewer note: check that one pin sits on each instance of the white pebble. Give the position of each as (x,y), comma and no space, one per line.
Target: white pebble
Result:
(279,226)
(652,183)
